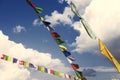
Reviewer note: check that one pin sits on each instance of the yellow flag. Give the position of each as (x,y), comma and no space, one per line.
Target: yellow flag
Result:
(63,48)
(105,52)
(9,58)
(42,68)
(26,64)
(41,18)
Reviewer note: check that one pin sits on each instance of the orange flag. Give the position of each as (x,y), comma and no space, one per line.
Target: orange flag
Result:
(105,52)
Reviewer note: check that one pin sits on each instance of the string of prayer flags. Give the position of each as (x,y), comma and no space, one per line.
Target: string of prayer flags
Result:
(85,24)
(74,10)
(59,41)
(37,9)
(39,68)
(63,48)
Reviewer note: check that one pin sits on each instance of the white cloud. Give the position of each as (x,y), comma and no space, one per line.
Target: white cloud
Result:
(18,29)
(60,1)
(57,18)
(9,71)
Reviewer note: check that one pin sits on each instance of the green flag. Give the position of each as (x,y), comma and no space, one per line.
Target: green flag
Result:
(88,29)
(6,58)
(79,74)
(85,24)
(38,10)
(59,41)
(74,10)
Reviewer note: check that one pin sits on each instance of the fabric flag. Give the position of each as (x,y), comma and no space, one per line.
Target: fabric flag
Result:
(58,73)
(46,23)
(37,9)
(55,35)
(85,24)
(50,28)
(67,76)
(30,3)
(21,62)
(46,70)
(6,58)
(66,53)
(26,64)
(71,58)
(41,18)
(50,71)
(59,41)
(74,10)
(88,29)
(36,67)
(105,52)
(3,56)
(31,65)
(79,74)
(75,66)
(42,69)
(39,68)
(63,48)
(10,58)
(15,60)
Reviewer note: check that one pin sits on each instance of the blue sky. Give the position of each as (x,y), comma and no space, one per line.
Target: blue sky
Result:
(19,23)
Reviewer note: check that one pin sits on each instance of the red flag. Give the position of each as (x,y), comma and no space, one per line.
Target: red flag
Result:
(55,35)
(75,66)
(31,4)
(50,71)
(21,62)
(3,56)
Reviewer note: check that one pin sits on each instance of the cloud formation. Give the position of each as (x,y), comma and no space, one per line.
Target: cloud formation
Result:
(19,51)
(57,18)
(19,29)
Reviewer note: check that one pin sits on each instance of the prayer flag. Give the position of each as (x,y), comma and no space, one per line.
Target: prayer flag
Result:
(75,66)
(105,52)
(66,53)
(59,41)
(3,56)
(26,64)
(15,60)
(55,35)
(63,48)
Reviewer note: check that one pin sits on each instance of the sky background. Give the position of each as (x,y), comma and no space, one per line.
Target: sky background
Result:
(24,37)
